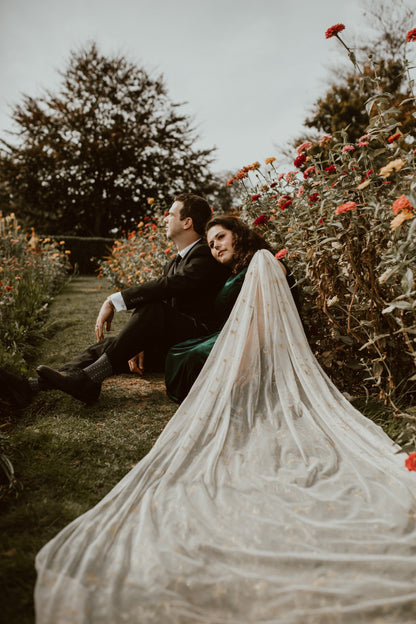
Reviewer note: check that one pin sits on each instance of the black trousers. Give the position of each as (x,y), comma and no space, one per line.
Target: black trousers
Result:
(153,328)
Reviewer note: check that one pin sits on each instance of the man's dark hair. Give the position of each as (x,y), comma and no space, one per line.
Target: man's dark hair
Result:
(197,208)
(246,241)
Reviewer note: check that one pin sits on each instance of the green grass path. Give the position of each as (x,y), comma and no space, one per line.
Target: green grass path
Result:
(67,456)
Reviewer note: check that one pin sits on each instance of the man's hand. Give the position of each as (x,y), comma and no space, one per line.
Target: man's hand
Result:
(105,316)
(136,364)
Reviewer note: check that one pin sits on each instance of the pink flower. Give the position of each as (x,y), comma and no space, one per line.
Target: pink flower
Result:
(301,191)
(280,176)
(299,161)
(346,207)
(310,171)
(348,148)
(411,35)
(304,147)
(334,30)
(255,197)
(327,138)
(290,175)
(261,220)
(281,254)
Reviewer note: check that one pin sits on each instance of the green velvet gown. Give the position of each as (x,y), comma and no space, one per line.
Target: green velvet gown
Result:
(185,360)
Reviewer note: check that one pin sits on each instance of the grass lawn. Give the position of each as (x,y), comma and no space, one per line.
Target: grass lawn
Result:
(66,455)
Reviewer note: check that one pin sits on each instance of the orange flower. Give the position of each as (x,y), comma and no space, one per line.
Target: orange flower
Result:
(255,165)
(393,137)
(8,288)
(168,250)
(401,204)
(393,165)
(150,200)
(404,215)
(270,160)
(410,461)
(346,207)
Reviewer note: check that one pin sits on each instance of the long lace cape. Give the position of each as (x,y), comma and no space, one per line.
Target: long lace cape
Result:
(267,499)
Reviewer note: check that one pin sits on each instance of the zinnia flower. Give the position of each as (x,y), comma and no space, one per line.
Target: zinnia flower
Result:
(255,165)
(310,171)
(313,198)
(410,461)
(394,165)
(330,169)
(393,137)
(230,181)
(261,220)
(281,254)
(298,162)
(286,204)
(327,138)
(346,207)
(411,35)
(403,215)
(255,197)
(348,148)
(273,184)
(334,30)
(270,160)
(304,147)
(401,204)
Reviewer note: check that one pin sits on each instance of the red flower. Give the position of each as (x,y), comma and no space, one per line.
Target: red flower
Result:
(313,198)
(346,207)
(286,204)
(310,171)
(298,162)
(281,254)
(255,197)
(230,181)
(334,30)
(261,220)
(273,184)
(411,35)
(410,461)
(330,169)
(393,137)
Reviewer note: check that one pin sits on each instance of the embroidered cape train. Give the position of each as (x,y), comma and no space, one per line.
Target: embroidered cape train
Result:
(267,499)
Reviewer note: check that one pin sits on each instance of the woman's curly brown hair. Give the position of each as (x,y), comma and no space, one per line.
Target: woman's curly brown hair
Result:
(246,242)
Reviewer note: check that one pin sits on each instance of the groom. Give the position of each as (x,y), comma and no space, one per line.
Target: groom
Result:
(166,310)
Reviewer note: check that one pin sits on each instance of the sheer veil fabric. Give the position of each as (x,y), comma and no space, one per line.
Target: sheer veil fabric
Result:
(267,499)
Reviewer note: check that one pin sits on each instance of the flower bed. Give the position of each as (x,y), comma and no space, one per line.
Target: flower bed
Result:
(31,270)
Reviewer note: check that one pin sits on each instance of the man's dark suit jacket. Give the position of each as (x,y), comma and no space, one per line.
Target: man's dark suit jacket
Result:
(190,290)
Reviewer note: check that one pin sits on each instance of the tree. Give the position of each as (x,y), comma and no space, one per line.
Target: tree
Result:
(87,159)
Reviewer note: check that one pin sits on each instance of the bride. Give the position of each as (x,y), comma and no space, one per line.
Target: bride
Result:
(267,499)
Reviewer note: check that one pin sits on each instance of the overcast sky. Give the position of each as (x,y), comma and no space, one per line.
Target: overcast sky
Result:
(249,69)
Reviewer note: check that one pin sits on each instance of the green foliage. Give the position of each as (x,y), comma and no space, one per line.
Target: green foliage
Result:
(355,260)
(30,272)
(86,159)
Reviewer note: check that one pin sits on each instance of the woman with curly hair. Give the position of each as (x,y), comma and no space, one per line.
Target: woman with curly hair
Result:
(233,244)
